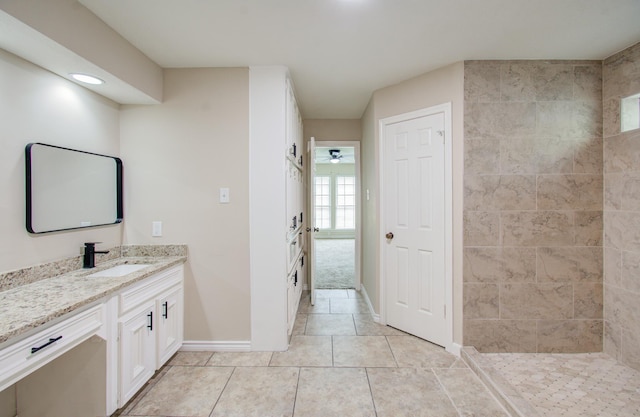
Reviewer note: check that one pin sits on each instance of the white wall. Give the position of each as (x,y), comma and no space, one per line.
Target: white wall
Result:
(177,155)
(38,106)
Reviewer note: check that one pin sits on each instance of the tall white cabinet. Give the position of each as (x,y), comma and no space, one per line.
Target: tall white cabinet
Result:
(277,219)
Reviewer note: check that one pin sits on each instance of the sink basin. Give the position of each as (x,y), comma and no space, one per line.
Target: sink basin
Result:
(119,270)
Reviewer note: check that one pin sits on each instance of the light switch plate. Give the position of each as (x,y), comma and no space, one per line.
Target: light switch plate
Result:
(224,195)
(156,229)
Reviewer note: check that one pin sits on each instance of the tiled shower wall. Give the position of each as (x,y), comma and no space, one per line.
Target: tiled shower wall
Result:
(533,206)
(621,74)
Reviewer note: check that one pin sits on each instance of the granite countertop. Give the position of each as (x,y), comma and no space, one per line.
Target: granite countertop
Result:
(27,307)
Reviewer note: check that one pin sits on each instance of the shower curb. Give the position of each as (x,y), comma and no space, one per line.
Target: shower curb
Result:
(504,392)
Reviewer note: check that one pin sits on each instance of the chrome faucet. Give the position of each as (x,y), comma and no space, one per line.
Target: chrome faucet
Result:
(89,260)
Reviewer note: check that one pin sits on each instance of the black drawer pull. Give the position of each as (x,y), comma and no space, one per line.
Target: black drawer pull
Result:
(150,325)
(51,341)
(165,309)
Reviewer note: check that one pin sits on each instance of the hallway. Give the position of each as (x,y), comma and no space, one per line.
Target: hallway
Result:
(340,363)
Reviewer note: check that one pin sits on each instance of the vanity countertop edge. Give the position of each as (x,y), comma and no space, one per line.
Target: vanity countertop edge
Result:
(29,307)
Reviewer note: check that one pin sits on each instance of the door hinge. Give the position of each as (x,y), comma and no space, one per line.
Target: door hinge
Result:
(445,311)
(441,133)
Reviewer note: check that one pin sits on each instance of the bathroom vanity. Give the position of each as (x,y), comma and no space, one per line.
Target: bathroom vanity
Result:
(134,304)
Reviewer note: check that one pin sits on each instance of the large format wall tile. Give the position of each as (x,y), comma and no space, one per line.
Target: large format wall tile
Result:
(533,201)
(537,228)
(536,301)
(569,336)
(499,264)
(569,264)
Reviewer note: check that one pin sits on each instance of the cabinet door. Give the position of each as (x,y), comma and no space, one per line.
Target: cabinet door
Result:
(170,309)
(137,350)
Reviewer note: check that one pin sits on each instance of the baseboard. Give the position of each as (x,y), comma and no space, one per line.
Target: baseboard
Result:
(455,349)
(376,317)
(215,346)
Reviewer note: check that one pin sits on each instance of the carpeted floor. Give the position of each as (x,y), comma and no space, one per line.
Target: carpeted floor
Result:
(335,263)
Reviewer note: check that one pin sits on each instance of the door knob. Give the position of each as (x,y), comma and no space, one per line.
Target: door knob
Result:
(389,235)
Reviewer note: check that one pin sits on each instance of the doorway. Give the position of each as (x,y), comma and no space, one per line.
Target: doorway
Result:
(335,212)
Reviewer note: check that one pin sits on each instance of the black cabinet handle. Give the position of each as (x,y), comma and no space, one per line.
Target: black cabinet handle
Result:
(165,309)
(51,341)
(150,325)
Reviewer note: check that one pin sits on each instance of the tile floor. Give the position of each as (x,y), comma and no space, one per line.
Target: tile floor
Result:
(340,363)
(568,385)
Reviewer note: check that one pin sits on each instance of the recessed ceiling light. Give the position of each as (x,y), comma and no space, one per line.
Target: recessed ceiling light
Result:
(87,79)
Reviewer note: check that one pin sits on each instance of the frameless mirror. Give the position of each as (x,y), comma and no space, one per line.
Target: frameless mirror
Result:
(70,189)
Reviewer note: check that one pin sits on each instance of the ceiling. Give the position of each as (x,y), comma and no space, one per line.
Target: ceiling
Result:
(340,51)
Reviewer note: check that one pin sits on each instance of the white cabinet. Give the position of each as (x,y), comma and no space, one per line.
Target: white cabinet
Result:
(151,328)
(276,211)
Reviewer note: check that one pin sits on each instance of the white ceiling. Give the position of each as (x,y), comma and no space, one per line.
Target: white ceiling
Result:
(340,51)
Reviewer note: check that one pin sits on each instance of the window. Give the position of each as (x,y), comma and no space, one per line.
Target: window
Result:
(345,202)
(335,200)
(322,193)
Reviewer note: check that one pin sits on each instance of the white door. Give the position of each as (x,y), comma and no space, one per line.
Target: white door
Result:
(414,219)
(312,218)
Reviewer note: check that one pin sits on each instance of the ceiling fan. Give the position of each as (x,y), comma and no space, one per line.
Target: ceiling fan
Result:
(334,156)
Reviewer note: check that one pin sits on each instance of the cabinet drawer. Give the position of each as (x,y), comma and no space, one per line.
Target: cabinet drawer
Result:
(149,288)
(20,359)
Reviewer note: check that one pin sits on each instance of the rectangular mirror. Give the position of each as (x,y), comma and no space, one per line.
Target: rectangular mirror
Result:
(70,189)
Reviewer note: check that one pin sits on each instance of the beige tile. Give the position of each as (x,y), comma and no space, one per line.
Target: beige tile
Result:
(481,156)
(587,82)
(622,230)
(330,324)
(468,394)
(587,300)
(362,351)
(612,340)
(536,301)
(630,271)
(410,351)
(569,264)
(348,306)
(622,152)
(501,335)
(500,192)
(481,228)
(554,119)
(611,117)
(588,228)
(300,325)
(630,347)
(320,307)
(333,392)
(569,192)
(519,156)
(408,392)
(365,326)
(258,392)
(240,359)
(622,191)
(612,268)
(190,358)
(499,264)
(621,308)
(554,155)
(184,391)
(587,157)
(516,82)
(324,293)
(481,301)
(481,81)
(540,228)
(569,336)
(587,119)
(305,351)
(499,120)
(553,82)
